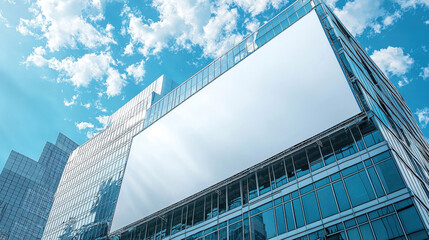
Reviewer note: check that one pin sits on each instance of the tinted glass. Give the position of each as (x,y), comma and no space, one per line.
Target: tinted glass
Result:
(253,191)
(314,157)
(222,201)
(410,220)
(234,196)
(327,152)
(199,211)
(353,234)
(190,215)
(359,188)
(387,227)
(301,163)
(366,232)
(263,225)
(236,231)
(177,220)
(343,144)
(389,176)
(279,173)
(311,210)
(340,194)
(244,191)
(327,201)
(297,210)
(214,204)
(375,182)
(263,181)
(280,220)
(289,216)
(289,169)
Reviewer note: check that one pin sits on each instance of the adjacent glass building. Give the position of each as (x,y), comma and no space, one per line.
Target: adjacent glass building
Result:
(294,133)
(27,189)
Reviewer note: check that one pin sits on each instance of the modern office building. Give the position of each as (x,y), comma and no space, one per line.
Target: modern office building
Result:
(27,189)
(294,133)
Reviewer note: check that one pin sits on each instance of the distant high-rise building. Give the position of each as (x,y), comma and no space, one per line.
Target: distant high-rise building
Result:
(294,133)
(27,189)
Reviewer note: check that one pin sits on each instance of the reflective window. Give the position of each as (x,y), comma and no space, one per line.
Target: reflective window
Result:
(289,216)
(340,194)
(263,181)
(289,169)
(212,236)
(234,198)
(244,193)
(370,133)
(327,201)
(327,152)
(301,163)
(387,228)
(190,215)
(222,201)
(343,144)
(359,188)
(199,211)
(375,182)
(358,137)
(208,208)
(314,157)
(214,204)
(297,210)
(410,220)
(353,234)
(280,219)
(366,232)
(311,210)
(236,231)
(279,173)
(263,225)
(253,191)
(389,176)
(223,234)
(177,220)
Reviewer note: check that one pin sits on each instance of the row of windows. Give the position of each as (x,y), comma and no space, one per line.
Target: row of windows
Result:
(275,26)
(351,187)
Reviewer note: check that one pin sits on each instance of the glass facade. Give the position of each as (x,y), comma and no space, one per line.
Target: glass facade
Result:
(365,178)
(27,188)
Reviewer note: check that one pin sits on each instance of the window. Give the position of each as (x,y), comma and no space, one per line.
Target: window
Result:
(366,232)
(327,152)
(289,169)
(177,220)
(301,163)
(190,215)
(343,144)
(375,182)
(299,218)
(234,198)
(236,231)
(340,194)
(310,206)
(280,219)
(289,216)
(214,204)
(263,225)
(389,176)
(359,188)
(253,192)
(263,181)
(314,157)
(370,133)
(410,220)
(208,207)
(387,227)
(279,173)
(327,201)
(222,201)
(199,211)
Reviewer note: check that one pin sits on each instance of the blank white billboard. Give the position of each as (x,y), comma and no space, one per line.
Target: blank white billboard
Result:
(288,91)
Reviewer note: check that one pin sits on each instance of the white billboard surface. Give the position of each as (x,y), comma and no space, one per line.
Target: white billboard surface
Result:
(288,91)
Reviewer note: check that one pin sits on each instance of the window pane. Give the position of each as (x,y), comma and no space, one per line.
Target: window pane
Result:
(343,144)
(244,191)
(263,181)
(214,204)
(353,234)
(327,152)
(223,234)
(410,220)
(263,226)
(370,133)
(234,196)
(366,232)
(358,137)
(375,182)
(359,188)
(289,169)
(199,211)
(389,176)
(387,228)
(177,220)
(222,201)
(236,231)
(212,236)
(340,194)
(208,207)
(280,219)
(327,201)
(279,173)
(301,163)
(289,216)
(190,215)
(297,210)
(314,157)
(251,181)
(311,210)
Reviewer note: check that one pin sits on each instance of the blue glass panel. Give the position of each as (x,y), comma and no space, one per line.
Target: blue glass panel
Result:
(263,181)
(289,216)
(359,188)
(301,163)
(280,220)
(387,228)
(263,225)
(375,182)
(279,173)
(410,220)
(246,228)
(223,234)
(212,236)
(261,208)
(366,232)
(389,176)
(289,169)
(343,144)
(327,203)
(236,231)
(234,196)
(222,200)
(327,152)
(353,234)
(253,191)
(297,210)
(314,157)
(340,194)
(311,210)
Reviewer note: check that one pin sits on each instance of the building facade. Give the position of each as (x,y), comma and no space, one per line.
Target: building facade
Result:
(294,133)
(27,189)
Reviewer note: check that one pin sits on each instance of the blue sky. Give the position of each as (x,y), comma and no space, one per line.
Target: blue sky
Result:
(66,65)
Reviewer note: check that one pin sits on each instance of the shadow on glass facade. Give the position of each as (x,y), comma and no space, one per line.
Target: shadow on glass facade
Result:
(27,189)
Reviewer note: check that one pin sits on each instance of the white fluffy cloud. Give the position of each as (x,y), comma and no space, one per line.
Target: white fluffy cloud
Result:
(412,3)
(423,116)
(256,7)
(358,15)
(81,71)
(137,71)
(392,60)
(425,73)
(184,24)
(84,125)
(66,23)
(71,102)
(103,120)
